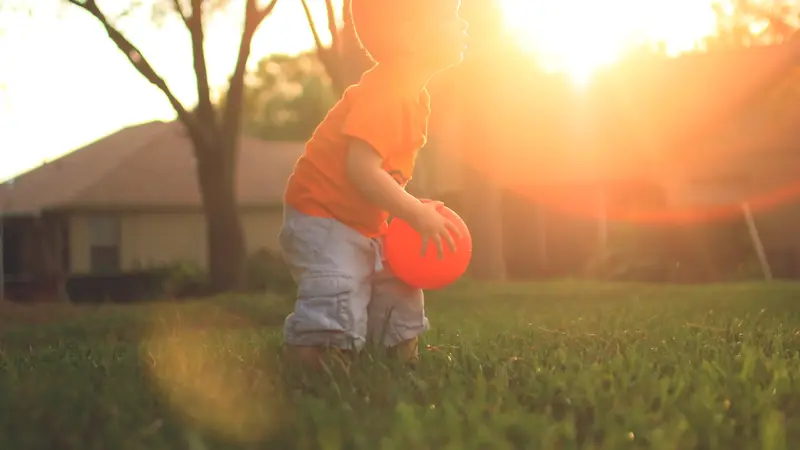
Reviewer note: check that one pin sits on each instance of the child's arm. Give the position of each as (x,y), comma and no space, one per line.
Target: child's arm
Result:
(365,172)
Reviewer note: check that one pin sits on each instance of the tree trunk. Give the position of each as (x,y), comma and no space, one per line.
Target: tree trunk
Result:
(484,215)
(482,131)
(226,240)
(344,60)
(50,232)
(483,203)
(482,90)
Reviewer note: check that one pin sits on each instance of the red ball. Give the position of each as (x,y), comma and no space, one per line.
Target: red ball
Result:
(403,245)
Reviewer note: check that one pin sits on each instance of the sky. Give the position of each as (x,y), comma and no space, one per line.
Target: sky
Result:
(64,84)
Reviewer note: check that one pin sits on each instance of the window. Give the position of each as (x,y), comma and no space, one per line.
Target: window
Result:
(104,244)
(12,249)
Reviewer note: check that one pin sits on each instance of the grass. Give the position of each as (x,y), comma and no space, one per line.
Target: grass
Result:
(516,366)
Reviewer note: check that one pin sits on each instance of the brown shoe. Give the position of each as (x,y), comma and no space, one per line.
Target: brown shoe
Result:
(306,357)
(406,351)
(313,358)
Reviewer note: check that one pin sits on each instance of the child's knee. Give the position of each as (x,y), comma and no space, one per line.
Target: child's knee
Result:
(327,312)
(403,327)
(397,313)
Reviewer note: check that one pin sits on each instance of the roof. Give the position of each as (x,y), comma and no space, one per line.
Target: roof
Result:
(150,165)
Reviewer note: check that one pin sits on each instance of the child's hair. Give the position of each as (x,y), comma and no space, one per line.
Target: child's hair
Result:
(377,22)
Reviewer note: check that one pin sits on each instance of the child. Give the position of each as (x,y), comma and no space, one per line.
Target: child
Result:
(352,178)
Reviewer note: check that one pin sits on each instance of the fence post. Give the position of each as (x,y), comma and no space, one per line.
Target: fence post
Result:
(757,244)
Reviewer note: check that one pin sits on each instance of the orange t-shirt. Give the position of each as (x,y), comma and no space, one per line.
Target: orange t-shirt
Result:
(378,111)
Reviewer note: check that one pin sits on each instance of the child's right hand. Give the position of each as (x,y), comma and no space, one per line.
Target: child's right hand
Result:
(432,225)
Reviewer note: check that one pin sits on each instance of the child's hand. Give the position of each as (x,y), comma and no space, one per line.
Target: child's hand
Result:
(432,225)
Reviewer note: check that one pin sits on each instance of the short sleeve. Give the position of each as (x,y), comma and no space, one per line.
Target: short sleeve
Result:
(378,122)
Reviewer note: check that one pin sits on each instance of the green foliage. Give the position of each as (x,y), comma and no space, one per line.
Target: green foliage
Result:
(742,23)
(183,280)
(512,366)
(265,272)
(286,97)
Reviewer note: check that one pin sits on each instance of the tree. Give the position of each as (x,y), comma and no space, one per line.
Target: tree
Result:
(286,97)
(742,23)
(747,23)
(214,130)
(343,59)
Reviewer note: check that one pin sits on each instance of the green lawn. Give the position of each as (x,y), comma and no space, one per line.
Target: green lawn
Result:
(534,366)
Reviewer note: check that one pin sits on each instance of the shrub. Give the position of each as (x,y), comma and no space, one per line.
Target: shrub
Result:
(266,271)
(181,280)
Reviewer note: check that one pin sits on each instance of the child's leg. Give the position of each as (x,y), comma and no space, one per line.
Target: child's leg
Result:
(397,315)
(332,265)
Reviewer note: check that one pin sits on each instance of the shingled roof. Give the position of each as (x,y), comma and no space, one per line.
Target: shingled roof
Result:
(150,165)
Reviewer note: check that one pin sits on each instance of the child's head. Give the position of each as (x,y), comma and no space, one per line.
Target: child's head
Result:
(428,34)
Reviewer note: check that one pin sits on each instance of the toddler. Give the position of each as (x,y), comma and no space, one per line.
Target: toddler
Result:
(351,179)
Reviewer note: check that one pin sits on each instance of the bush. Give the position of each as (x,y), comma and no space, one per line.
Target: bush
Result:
(181,280)
(266,271)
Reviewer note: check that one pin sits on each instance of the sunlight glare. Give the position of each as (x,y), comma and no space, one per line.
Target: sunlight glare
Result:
(580,36)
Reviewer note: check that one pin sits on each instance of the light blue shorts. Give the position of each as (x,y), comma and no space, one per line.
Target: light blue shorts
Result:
(345,295)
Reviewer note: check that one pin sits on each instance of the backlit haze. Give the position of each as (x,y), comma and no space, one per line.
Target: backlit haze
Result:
(65,84)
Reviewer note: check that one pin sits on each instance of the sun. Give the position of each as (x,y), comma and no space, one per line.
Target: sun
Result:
(580,36)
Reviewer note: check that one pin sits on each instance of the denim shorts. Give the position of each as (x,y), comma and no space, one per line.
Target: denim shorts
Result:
(345,295)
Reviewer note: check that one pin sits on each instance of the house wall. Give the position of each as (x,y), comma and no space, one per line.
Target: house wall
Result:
(153,239)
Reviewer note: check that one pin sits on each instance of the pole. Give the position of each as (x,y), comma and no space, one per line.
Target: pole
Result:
(757,244)
(8,185)
(2,256)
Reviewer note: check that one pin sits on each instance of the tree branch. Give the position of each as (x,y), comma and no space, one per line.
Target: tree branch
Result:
(332,28)
(329,56)
(142,65)
(176,4)
(194,23)
(231,119)
(261,15)
(317,40)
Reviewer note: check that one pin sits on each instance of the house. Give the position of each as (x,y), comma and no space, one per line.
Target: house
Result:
(130,201)
(681,142)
